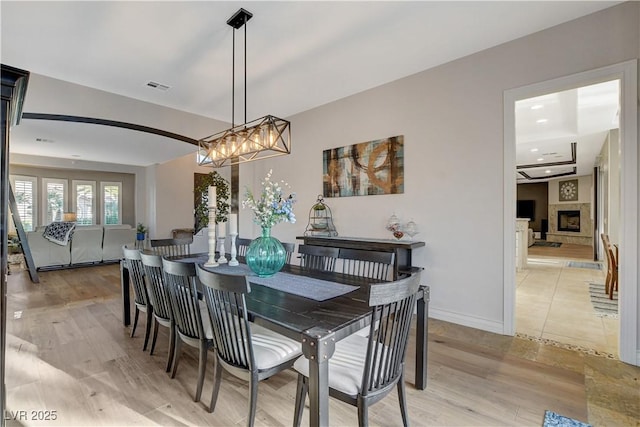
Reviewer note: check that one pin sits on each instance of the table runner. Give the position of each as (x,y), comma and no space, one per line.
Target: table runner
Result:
(304,286)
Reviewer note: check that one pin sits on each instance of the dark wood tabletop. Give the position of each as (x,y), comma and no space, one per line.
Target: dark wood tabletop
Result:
(318,325)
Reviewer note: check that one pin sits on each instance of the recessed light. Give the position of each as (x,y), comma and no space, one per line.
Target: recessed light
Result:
(542,121)
(547,171)
(533,150)
(537,106)
(540,159)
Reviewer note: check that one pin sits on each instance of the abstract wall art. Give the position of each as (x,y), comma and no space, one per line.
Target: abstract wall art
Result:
(364,169)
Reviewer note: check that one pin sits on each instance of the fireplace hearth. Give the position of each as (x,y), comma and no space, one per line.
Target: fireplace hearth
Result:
(569,221)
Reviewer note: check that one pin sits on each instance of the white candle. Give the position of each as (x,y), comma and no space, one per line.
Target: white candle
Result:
(233,223)
(222,228)
(212,196)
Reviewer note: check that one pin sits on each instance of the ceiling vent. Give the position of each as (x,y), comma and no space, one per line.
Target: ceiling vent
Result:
(159,86)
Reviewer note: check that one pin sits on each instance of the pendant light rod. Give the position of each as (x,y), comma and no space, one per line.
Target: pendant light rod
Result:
(240,18)
(245,68)
(233,78)
(262,138)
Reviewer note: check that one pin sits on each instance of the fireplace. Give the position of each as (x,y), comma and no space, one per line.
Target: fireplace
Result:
(569,221)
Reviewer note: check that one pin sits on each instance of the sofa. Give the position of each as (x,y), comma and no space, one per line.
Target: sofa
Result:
(531,238)
(90,244)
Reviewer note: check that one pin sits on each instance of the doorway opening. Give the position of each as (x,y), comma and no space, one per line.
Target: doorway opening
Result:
(570,188)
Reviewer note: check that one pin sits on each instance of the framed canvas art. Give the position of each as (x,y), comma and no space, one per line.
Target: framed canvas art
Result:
(364,169)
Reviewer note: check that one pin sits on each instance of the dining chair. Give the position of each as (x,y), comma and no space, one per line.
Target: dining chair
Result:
(193,326)
(243,245)
(611,280)
(318,257)
(245,350)
(363,370)
(136,274)
(159,297)
(171,247)
(372,264)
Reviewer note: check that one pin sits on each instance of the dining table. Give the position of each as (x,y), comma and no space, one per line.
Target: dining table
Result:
(316,308)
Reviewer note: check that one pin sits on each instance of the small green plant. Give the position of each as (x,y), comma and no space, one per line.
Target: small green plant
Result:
(141,228)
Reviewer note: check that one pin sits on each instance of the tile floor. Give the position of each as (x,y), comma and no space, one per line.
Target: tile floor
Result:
(553,303)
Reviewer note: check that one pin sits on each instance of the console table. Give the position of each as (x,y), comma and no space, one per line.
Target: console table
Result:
(402,249)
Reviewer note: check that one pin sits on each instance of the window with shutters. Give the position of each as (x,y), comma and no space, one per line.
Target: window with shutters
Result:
(111,202)
(55,199)
(84,202)
(24,191)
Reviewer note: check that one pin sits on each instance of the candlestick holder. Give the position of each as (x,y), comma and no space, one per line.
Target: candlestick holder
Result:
(233,261)
(211,262)
(221,250)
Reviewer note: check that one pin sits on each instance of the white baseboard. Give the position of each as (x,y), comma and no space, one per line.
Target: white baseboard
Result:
(465,320)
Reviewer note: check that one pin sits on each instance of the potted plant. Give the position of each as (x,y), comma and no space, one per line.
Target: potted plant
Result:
(141,231)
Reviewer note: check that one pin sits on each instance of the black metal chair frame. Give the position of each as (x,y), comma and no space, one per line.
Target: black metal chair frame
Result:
(392,306)
(160,300)
(141,296)
(318,257)
(180,278)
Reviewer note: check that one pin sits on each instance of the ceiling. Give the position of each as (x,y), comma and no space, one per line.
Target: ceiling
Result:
(547,126)
(300,55)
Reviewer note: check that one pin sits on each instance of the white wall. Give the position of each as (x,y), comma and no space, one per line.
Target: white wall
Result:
(452,120)
(173,194)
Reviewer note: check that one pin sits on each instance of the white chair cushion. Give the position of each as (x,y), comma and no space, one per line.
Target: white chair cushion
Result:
(271,348)
(346,366)
(206,321)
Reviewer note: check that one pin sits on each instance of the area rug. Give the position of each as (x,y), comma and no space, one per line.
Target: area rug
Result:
(547,244)
(601,302)
(551,419)
(581,264)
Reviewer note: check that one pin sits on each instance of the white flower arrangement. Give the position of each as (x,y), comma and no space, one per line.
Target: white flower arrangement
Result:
(272,207)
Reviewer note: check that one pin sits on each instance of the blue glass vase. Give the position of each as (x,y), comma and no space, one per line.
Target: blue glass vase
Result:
(265,255)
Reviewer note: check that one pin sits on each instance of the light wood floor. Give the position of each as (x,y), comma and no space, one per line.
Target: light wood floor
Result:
(566,250)
(69,353)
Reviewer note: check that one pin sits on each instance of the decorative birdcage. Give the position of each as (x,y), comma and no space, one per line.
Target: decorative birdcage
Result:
(320,220)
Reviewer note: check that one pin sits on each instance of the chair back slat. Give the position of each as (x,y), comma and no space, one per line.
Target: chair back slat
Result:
(158,292)
(372,264)
(136,275)
(180,278)
(289,249)
(243,245)
(171,247)
(392,308)
(318,257)
(225,297)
